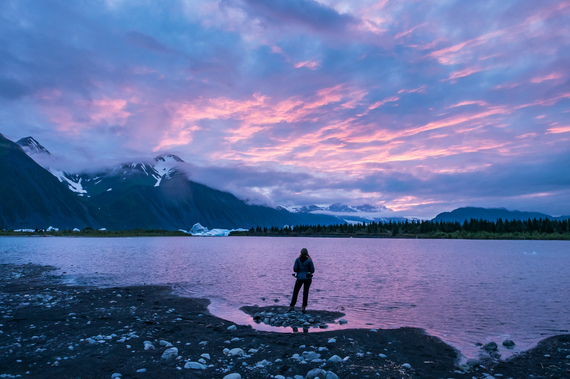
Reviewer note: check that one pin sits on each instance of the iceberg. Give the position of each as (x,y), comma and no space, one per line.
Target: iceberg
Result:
(200,230)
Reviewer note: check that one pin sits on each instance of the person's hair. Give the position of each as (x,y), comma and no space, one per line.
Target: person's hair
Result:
(305,252)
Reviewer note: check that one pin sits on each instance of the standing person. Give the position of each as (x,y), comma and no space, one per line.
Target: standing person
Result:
(304,268)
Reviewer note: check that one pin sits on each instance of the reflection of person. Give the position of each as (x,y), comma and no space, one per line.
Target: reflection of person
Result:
(304,268)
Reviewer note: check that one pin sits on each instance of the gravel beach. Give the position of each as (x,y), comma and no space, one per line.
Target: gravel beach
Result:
(51,330)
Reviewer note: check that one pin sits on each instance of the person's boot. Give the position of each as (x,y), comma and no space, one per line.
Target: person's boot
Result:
(303,309)
(291,308)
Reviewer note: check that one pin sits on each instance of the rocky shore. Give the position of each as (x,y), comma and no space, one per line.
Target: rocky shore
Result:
(50,330)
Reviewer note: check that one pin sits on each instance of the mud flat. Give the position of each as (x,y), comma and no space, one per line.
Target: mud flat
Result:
(50,330)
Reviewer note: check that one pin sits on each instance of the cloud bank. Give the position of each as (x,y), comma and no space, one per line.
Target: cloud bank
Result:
(418,106)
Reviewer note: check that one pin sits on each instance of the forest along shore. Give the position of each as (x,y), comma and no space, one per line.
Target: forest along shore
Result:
(48,329)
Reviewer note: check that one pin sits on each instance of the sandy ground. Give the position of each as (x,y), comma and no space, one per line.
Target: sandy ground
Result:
(50,330)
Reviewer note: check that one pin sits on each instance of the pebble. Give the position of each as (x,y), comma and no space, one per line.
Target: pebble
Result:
(232,328)
(236,351)
(332,340)
(170,353)
(116,375)
(194,366)
(335,359)
(342,321)
(233,375)
(141,370)
(205,355)
(382,355)
(148,345)
(406,365)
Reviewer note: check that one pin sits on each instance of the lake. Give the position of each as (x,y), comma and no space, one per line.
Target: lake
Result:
(463,291)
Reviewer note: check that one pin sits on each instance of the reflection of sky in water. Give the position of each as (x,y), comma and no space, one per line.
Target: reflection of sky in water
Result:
(461,291)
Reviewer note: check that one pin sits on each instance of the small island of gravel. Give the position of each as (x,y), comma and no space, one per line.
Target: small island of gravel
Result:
(50,330)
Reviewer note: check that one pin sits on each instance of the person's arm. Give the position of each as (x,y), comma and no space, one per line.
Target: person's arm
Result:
(296,265)
(311,266)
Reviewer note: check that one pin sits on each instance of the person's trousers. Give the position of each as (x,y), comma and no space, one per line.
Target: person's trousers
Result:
(306,283)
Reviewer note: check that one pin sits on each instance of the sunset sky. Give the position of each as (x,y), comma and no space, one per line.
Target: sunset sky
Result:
(419,106)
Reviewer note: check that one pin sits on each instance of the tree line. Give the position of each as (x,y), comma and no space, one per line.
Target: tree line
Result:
(470,229)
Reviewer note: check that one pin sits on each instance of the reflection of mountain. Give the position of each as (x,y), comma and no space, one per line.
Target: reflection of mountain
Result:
(148,195)
(30,197)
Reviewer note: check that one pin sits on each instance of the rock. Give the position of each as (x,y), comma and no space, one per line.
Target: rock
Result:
(263,363)
(331,375)
(342,321)
(464,367)
(490,346)
(165,343)
(473,362)
(316,373)
(332,340)
(335,359)
(382,355)
(148,345)
(236,351)
(141,370)
(233,375)
(509,344)
(206,355)
(279,377)
(310,355)
(231,328)
(406,365)
(170,353)
(116,375)
(194,366)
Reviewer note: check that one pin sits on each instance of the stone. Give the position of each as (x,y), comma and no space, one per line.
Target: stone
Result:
(331,375)
(335,359)
(310,355)
(141,370)
(116,375)
(407,365)
(316,373)
(473,362)
(194,366)
(206,355)
(490,346)
(233,375)
(263,363)
(508,344)
(170,353)
(236,351)
(165,343)
(332,340)
(342,321)
(231,328)
(382,355)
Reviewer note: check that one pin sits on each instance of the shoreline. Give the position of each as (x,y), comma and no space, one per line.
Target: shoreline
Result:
(49,329)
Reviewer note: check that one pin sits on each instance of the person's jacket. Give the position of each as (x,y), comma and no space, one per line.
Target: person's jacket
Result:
(303,266)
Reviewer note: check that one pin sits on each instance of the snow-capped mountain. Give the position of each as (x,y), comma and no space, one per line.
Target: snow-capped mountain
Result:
(159,195)
(32,147)
(339,208)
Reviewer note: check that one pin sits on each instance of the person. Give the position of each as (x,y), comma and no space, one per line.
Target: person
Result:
(304,268)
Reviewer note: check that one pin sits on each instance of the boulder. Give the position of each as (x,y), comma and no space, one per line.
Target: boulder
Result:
(508,344)
(316,373)
(490,346)
(335,359)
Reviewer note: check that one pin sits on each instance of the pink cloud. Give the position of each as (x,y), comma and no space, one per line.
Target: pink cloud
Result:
(553,76)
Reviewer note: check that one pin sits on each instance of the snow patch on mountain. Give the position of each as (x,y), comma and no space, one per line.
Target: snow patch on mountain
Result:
(165,166)
(65,178)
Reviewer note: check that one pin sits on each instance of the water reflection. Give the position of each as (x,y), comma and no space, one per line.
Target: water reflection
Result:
(465,292)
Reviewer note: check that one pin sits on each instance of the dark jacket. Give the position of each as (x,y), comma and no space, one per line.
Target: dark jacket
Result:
(303,266)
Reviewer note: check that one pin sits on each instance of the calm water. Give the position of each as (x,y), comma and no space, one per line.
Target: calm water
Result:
(464,292)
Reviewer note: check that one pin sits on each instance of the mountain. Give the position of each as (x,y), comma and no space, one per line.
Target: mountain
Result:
(491,214)
(31,146)
(340,208)
(159,195)
(30,197)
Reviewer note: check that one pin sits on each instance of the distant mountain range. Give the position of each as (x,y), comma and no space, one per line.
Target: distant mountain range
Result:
(145,195)
(157,195)
(491,214)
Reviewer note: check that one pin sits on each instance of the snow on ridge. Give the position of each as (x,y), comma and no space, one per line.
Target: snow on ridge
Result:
(73,186)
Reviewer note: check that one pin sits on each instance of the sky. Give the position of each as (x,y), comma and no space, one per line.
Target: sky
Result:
(417,106)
